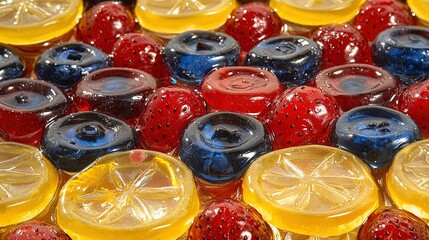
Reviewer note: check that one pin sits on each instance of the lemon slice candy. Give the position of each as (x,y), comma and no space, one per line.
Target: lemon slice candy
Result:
(28,182)
(420,8)
(311,190)
(129,195)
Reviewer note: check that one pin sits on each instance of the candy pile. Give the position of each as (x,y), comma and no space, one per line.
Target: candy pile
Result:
(194,119)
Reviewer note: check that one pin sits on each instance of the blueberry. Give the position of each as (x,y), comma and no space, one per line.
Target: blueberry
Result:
(64,65)
(294,60)
(403,51)
(75,141)
(192,55)
(11,65)
(375,133)
(219,147)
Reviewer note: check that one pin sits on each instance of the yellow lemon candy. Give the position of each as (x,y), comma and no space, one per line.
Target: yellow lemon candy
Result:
(408,179)
(316,12)
(420,8)
(168,17)
(311,190)
(28,182)
(29,22)
(129,195)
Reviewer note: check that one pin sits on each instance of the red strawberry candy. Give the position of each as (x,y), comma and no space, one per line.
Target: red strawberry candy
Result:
(168,112)
(143,52)
(228,219)
(251,23)
(342,44)
(36,230)
(393,224)
(103,24)
(378,15)
(301,116)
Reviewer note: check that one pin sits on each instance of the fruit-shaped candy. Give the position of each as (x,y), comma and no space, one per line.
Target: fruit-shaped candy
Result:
(119,92)
(170,17)
(407,179)
(420,8)
(36,230)
(219,147)
(247,90)
(294,60)
(130,195)
(28,183)
(26,106)
(311,190)
(75,141)
(404,52)
(65,64)
(374,133)
(192,55)
(11,64)
(354,85)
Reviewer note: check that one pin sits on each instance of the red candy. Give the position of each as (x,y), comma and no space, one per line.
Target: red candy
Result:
(36,230)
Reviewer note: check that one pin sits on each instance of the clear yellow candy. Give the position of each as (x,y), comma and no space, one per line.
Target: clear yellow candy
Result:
(311,190)
(420,8)
(316,12)
(29,22)
(129,195)
(167,17)
(28,183)
(408,179)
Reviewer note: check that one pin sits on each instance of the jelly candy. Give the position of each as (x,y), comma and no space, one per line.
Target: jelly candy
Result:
(75,141)
(420,8)
(219,147)
(374,133)
(11,64)
(36,230)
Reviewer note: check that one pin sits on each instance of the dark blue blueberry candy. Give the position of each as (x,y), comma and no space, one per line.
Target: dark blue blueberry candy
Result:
(192,55)
(11,65)
(219,147)
(64,65)
(75,141)
(404,52)
(294,60)
(375,133)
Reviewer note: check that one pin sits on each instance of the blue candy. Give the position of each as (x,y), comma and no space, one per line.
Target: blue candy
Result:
(11,65)
(219,147)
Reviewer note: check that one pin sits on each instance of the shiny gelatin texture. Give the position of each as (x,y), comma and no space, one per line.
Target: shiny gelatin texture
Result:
(129,195)
(11,64)
(26,106)
(75,141)
(219,147)
(374,133)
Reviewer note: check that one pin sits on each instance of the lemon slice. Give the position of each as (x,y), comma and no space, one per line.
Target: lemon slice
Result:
(311,190)
(28,22)
(316,12)
(129,195)
(177,16)
(408,179)
(420,8)
(28,182)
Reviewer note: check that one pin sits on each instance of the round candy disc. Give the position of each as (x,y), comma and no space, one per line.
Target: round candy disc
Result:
(129,195)
(28,182)
(311,190)
(28,22)
(420,8)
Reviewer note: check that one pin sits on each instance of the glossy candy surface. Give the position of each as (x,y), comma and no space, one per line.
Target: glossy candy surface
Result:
(75,141)
(36,230)
(293,59)
(192,55)
(404,52)
(28,183)
(26,106)
(420,8)
(374,133)
(219,147)
(11,64)
(132,195)
(65,64)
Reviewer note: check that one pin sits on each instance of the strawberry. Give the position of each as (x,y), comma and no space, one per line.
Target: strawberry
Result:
(341,44)
(143,52)
(168,112)
(378,15)
(391,223)
(302,115)
(36,230)
(103,24)
(229,219)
